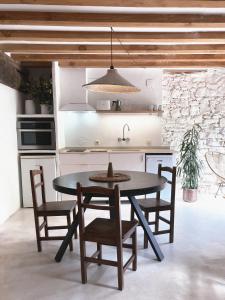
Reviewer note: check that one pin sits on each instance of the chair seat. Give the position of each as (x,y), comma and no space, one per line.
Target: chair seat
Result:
(56,207)
(103,231)
(152,204)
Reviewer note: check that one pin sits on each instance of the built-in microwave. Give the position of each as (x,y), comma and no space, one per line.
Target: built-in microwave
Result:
(36,134)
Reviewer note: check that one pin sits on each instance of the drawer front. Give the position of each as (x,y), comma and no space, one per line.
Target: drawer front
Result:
(84,158)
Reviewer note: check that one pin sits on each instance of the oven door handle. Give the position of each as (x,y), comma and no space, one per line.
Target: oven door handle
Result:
(35,130)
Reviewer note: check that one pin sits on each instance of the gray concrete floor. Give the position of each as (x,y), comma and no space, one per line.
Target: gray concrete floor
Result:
(193,268)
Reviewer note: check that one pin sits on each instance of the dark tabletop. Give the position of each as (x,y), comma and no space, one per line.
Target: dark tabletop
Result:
(141,183)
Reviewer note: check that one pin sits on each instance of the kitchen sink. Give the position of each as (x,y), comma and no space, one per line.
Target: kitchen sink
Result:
(97,150)
(75,150)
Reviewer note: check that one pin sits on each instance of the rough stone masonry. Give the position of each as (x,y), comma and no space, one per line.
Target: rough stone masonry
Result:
(196,97)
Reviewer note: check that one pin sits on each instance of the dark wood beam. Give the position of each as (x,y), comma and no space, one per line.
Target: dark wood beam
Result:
(85,36)
(109,19)
(124,3)
(117,49)
(9,72)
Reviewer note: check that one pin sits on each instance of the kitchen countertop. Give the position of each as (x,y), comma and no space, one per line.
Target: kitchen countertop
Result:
(85,150)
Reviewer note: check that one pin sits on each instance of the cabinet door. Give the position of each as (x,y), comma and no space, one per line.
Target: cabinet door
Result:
(128,161)
(49,167)
(68,169)
(152,162)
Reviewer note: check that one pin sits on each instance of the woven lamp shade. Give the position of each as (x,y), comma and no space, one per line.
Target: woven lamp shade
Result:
(111,82)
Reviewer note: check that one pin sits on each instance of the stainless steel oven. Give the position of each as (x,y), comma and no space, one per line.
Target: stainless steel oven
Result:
(36,134)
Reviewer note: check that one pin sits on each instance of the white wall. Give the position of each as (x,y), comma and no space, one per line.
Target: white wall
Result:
(71,81)
(82,129)
(147,79)
(9,180)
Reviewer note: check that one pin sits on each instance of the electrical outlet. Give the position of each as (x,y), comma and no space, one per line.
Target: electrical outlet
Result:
(149,142)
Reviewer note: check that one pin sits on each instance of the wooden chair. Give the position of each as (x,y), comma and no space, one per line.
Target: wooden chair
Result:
(156,205)
(111,232)
(47,209)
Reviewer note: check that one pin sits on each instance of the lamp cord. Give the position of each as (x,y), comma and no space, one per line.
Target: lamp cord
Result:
(111,66)
(112,30)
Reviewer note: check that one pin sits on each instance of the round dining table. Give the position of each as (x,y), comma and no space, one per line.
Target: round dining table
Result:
(140,183)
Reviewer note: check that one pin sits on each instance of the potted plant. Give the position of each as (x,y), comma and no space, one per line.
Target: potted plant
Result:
(44,94)
(28,89)
(189,164)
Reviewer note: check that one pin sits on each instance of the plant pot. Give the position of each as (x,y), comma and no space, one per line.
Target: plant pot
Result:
(190,195)
(44,109)
(29,107)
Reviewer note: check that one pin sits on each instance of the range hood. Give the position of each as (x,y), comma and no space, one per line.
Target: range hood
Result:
(76,106)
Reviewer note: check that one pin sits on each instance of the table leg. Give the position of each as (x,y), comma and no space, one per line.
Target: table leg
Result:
(146,228)
(69,234)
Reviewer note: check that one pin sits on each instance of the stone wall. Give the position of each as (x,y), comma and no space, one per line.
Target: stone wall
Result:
(197,97)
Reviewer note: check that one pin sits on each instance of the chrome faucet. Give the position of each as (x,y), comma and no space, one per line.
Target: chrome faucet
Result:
(124,139)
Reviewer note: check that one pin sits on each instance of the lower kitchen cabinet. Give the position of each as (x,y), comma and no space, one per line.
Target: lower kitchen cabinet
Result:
(74,163)
(128,161)
(34,162)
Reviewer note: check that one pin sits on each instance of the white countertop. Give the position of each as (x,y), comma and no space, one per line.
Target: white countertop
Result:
(85,150)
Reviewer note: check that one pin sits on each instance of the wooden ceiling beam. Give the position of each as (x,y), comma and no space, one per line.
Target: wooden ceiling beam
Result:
(124,3)
(117,49)
(116,57)
(143,64)
(85,36)
(110,19)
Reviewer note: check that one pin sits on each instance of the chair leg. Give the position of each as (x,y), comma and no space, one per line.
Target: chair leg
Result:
(171,225)
(99,248)
(156,222)
(68,224)
(219,186)
(83,262)
(134,250)
(37,229)
(74,215)
(120,267)
(131,214)
(46,226)
(145,236)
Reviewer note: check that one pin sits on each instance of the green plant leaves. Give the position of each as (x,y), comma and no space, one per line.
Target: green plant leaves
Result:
(189,165)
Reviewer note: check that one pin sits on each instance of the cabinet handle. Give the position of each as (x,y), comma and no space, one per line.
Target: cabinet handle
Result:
(142,157)
(159,160)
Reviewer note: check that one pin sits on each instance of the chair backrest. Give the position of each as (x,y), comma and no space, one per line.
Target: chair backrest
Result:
(216,162)
(96,191)
(171,182)
(34,185)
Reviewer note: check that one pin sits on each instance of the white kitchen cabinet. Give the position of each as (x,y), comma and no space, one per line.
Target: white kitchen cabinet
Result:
(49,167)
(152,162)
(128,161)
(74,163)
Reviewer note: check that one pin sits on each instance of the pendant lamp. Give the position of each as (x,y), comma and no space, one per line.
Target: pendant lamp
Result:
(111,82)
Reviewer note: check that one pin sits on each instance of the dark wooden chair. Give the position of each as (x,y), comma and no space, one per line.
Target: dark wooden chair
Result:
(47,209)
(111,232)
(156,205)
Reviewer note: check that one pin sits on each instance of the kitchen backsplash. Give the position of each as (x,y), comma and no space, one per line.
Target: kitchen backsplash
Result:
(84,129)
